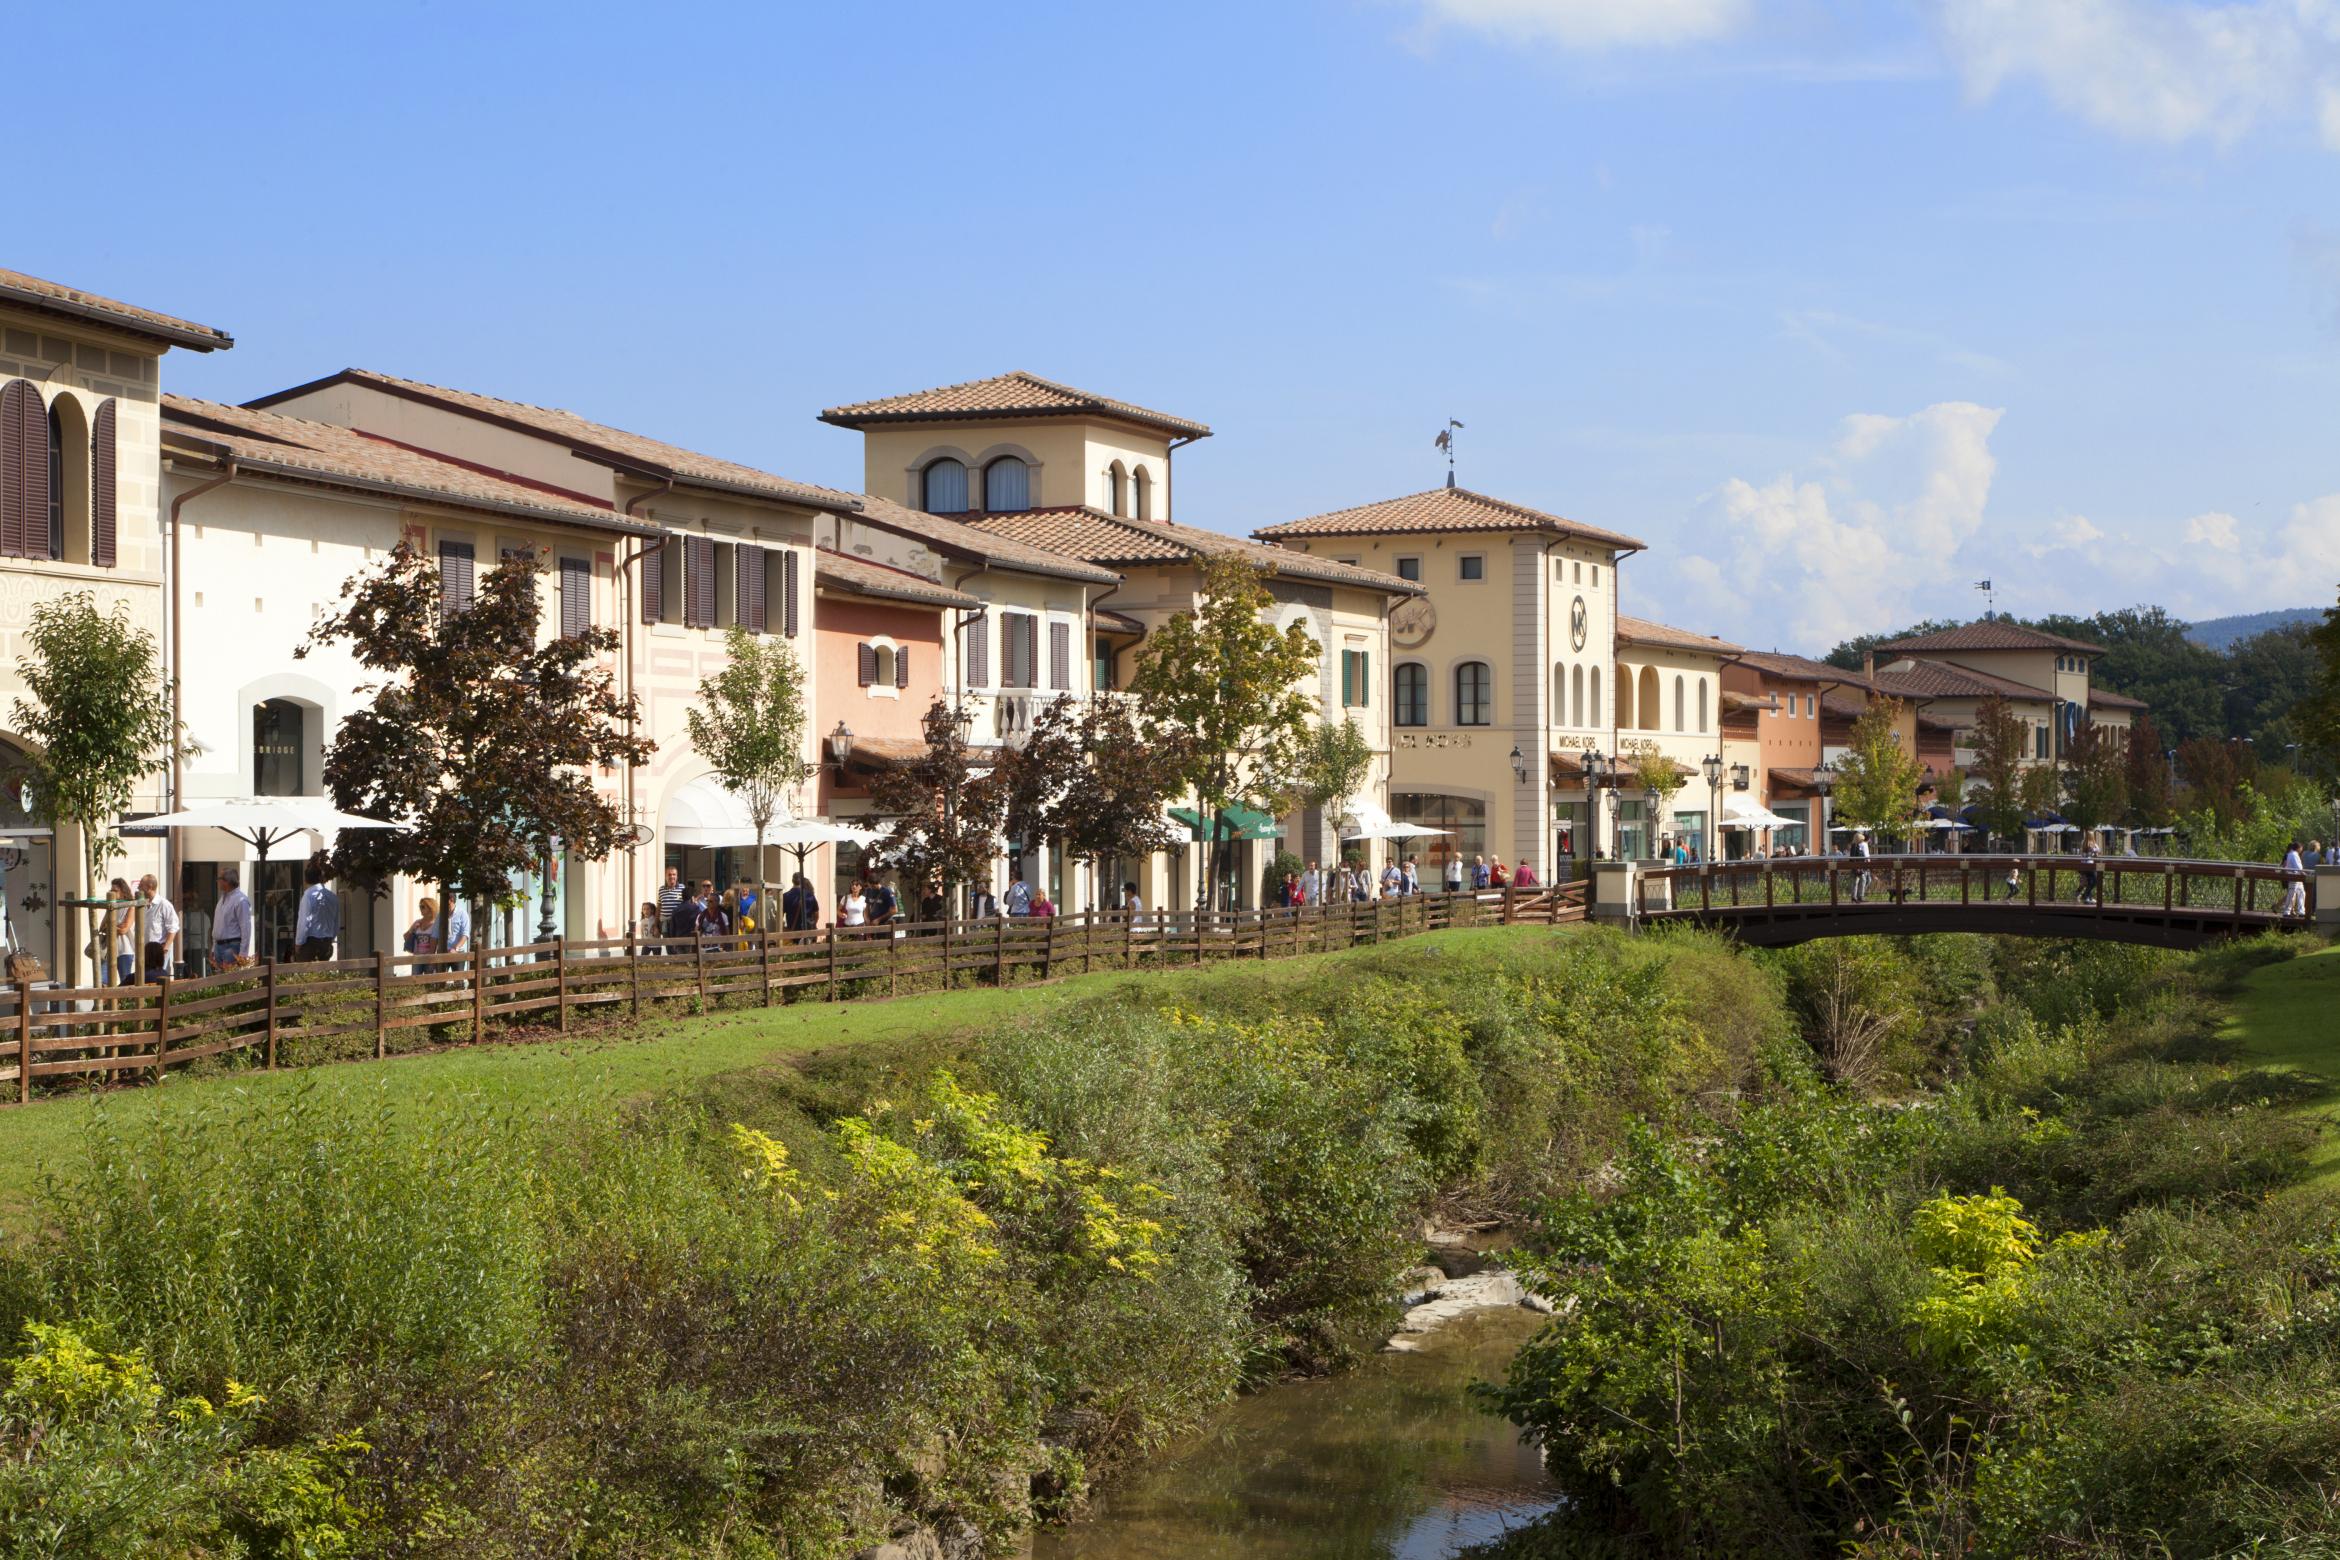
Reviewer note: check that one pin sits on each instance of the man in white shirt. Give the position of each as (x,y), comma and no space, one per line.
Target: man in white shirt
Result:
(458,925)
(318,924)
(162,930)
(2295,896)
(231,922)
(1312,886)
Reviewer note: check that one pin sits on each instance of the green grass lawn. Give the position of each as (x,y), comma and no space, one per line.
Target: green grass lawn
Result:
(617,1065)
(2287,1016)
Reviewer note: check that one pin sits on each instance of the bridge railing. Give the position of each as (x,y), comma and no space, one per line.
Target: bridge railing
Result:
(2242,891)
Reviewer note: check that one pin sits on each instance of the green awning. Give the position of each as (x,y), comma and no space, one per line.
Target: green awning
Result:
(1241,823)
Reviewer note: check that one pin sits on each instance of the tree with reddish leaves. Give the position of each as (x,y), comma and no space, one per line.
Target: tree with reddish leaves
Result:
(942,811)
(477,733)
(2145,766)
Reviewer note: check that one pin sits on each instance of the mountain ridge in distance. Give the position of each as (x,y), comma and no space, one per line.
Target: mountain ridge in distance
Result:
(2220,633)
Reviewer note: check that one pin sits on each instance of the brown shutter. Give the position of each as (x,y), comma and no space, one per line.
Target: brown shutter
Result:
(978,669)
(1060,656)
(104,501)
(868,663)
(24,469)
(747,569)
(576,597)
(455,576)
(699,583)
(788,618)
(654,581)
(901,666)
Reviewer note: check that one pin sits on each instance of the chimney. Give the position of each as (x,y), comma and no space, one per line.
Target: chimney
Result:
(1868,663)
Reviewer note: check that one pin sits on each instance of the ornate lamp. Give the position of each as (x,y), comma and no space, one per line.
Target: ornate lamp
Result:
(840,744)
(1740,777)
(1519,764)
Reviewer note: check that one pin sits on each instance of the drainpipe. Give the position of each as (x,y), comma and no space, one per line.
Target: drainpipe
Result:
(1169,480)
(625,584)
(174,668)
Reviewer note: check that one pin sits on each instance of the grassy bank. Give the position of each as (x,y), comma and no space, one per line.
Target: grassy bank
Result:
(2064,1280)
(824,1276)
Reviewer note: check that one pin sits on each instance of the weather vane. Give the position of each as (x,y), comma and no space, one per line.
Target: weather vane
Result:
(1445,441)
(1990,601)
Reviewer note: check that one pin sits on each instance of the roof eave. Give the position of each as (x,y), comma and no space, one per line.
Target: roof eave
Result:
(203,338)
(313,477)
(845,417)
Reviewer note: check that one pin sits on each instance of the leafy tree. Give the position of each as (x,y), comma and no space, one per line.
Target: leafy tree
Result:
(1334,762)
(96,714)
(1661,780)
(476,733)
(749,726)
(943,812)
(2218,776)
(2145,775)
(1128,777)
(1038,778)
(2041,791)
(1995,783)
(2319,711)
(1877,779)
(2094,784)
(1234,692)
(2265,680)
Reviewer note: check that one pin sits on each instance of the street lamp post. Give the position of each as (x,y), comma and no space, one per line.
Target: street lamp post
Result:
(1596,769)
(1824,781)
(546,926)
(1713,765)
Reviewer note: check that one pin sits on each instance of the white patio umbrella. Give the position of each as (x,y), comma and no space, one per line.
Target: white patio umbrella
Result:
(264,822)
(1765,819)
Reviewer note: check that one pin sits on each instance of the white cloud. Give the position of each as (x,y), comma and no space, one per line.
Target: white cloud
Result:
(1853,544)
(2070,534)
(2164,70)
(1829,333)
(2212,530)
(1592,24)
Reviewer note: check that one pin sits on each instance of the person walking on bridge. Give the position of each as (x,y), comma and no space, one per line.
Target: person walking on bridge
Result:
(2295,875)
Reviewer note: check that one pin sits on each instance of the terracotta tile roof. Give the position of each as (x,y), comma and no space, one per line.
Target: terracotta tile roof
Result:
(1441,509)
(594,441)
(868,577)
(1102,538)
(1917,679)
(1112,622)
(1734,703)
(1797,779)
(326,453)
(955,538)
(1843,706)
(1641,631)
(1009,395)
(1987,634)
(2106,699)
(1800,668)
(889,752)
(57,298)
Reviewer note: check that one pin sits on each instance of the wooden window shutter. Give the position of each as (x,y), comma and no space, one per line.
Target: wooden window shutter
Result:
(455,576)
(576,597)
(1031,652)
(868,663)
(1364,678)
(1348,679)
(788,619)
(24,469)
(901,666)
(654,581)
(699,583)
(1060,656)
(979,651)
(104,489)
(747,573)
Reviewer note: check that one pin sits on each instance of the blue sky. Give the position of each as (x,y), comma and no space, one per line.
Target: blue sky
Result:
(1840,306)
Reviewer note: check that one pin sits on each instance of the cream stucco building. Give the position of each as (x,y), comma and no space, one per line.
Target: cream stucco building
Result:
(80,510)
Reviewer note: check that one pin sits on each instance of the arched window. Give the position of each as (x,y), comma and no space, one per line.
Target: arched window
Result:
(1592,705)
(1411,701)
(1007,486)
(1576,695)
(944,489)
(1680,710)
(1625,697)
(1118,480)
(24,471)
(70,480)
(1474,694)
(1645,699)
(885,666)
(1702,706)
(1559,694)
(1143,482)
(279,746)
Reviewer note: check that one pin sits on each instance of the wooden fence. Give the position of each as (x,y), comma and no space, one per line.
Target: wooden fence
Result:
(354,1007)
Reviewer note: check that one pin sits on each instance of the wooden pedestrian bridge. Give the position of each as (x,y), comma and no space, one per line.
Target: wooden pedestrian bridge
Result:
(2159,902)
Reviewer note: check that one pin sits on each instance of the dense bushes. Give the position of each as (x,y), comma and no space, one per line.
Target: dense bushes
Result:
(784,1315)
(2057,1307)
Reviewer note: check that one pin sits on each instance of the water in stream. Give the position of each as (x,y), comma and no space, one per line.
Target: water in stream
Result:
(1387,1462)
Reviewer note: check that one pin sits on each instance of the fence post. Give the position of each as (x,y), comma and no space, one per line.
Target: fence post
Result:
(561,981)
(1048,951)
(699,966)
(894,963)
(24,1042)
(162,1024)
(832,961)
(268,990)
(381,1005)
(765,933)
(634,968)
(1507,893)
(478,991)
(999,952)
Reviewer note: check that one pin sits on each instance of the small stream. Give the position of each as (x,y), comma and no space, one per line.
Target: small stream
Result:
(1387,1462)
